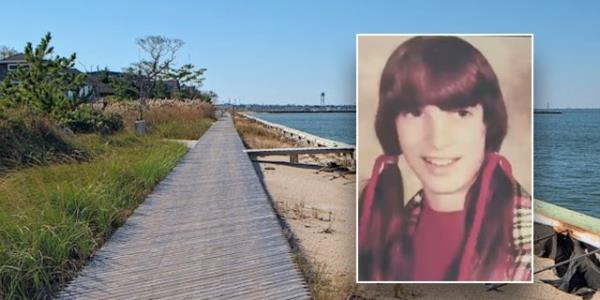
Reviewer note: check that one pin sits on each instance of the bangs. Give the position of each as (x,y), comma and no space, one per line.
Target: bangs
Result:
(446,76)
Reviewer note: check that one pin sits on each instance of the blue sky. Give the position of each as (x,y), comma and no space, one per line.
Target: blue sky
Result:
(291,51)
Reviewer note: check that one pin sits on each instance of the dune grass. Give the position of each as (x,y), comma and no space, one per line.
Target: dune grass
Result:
(180,122)
(28,138)
(256,136)
(172,121)
(53,217)
(181,130)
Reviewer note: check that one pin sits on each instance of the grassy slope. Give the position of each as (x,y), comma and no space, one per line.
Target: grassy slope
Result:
(27,139)
(53,217)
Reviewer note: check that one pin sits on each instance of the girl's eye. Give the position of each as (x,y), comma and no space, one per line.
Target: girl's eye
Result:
(413,113)
(463,113)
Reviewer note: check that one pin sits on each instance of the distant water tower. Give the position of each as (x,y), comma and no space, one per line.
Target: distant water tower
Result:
(322,98)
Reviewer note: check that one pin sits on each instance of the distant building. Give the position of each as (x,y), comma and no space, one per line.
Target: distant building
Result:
(11,63)
(290,108)
(97,83)
(99,87)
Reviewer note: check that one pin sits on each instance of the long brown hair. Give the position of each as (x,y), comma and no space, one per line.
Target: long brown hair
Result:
(450,73)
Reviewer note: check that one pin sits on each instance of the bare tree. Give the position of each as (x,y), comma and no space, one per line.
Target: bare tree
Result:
(159,56)
(7,51)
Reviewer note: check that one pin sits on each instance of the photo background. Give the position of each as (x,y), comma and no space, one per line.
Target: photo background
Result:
(511,59)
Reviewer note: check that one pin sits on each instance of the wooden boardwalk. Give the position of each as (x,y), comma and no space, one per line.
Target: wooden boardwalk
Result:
(206,232)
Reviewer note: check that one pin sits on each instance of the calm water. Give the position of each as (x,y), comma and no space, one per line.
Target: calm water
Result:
(334,126)
(567,159)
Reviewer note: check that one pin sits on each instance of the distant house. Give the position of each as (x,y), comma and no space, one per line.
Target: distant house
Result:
(97,83)
(11,63)
(84,91)
(100,84)
(171,85)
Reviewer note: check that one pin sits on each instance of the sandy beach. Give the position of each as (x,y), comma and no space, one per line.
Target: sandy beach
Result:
(320,210)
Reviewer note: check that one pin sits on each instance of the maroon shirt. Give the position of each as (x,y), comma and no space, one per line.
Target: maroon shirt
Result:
(437,240)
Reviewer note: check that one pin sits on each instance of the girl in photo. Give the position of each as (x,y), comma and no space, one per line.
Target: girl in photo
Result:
(441,108)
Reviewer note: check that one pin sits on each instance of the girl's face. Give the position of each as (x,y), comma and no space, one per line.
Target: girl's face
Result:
(445,149)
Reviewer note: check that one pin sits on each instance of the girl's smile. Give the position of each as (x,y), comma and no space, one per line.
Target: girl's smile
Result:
(440,165)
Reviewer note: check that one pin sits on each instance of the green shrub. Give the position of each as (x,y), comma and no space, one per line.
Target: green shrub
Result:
(85,120)
(113,122)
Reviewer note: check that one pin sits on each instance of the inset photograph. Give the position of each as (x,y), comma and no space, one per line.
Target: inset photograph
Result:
(444,146)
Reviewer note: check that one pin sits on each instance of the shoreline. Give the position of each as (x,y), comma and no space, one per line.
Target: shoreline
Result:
(319,209)
(299,136)
(304,111)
